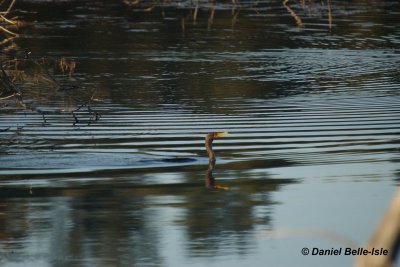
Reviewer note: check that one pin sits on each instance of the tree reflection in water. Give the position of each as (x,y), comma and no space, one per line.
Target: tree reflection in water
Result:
(123,224)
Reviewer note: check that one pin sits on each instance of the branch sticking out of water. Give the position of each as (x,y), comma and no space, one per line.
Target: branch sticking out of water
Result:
(10,6)
(19,68)
(5,20)
(9,88)
(91,115)
(386,236)
(293,14)
(67,66)
(330,14)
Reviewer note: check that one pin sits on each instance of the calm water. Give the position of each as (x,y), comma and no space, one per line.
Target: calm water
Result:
(310,95)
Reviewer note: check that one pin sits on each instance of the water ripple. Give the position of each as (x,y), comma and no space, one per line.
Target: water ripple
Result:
(329,131)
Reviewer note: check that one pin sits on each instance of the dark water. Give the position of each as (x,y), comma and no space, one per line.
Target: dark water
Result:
(310,97)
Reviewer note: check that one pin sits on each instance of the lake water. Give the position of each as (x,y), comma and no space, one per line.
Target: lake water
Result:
(110,169)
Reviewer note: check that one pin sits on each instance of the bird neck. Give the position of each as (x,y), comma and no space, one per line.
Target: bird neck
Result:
(210,152)
(209,178)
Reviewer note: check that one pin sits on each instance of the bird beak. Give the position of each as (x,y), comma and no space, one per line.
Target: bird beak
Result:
(220,134)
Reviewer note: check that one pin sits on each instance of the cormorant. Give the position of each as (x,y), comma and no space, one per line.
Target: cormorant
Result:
(209,139)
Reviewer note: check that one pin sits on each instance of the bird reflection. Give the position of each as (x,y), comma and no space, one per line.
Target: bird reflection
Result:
(209,178)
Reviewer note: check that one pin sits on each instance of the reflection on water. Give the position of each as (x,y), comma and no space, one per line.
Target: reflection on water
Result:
(124,224)
(312,112)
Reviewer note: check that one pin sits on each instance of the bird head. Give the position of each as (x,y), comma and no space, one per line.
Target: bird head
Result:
(212,136)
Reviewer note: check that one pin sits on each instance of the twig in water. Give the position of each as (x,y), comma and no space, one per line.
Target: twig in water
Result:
(330,14)
(8,31)
(294,15)
(10,7)
(75,118)
(8,84)
(386,236)
(66,66)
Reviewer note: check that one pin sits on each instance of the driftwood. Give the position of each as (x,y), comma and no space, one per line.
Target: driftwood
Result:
(386,236)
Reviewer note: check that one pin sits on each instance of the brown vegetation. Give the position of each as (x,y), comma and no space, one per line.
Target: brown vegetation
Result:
(20,69)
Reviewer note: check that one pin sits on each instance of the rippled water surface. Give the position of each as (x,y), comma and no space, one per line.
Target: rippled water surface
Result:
(112,171)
